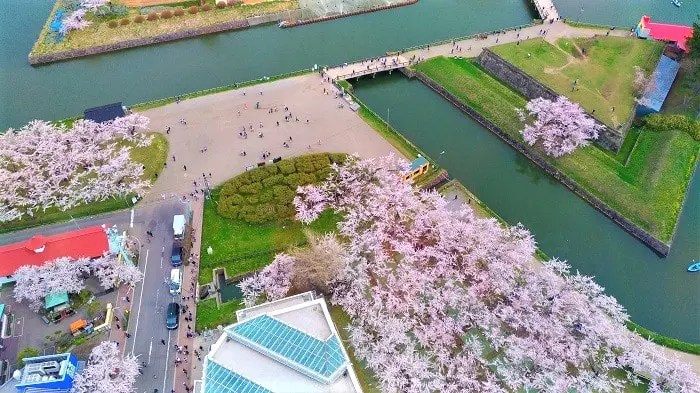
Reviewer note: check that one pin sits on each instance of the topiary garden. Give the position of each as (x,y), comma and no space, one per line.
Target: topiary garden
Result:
(265,194)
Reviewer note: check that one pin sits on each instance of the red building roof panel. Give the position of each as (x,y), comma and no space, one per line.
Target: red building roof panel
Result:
(89,242)
(668,32)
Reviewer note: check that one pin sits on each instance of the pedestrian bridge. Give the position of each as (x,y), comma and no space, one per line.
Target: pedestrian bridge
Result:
(366,67)
(546,9)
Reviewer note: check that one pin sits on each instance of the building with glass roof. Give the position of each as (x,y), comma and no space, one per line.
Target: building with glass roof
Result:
(287,346)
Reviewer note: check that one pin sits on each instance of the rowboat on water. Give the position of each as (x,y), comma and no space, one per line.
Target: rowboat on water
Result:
(694,267)
(676,3)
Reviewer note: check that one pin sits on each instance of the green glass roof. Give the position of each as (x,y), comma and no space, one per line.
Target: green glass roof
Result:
(54,299)
(320,360)
(222,380)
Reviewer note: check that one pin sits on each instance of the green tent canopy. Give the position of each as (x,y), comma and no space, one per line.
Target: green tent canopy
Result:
(54,299)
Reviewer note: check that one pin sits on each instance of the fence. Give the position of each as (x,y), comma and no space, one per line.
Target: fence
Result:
(466,37)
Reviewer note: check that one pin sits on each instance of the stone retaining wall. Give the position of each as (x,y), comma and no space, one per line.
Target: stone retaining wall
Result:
(231,25)
(658,246)
(531,88)
(301,22)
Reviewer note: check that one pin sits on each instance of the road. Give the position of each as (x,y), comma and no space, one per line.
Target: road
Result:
(149,298)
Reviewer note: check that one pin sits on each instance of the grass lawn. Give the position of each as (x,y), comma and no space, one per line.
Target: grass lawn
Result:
(649,189)
(240,247)
(152,157)
(364,374)
(209,316)
(603,68)
(99,33)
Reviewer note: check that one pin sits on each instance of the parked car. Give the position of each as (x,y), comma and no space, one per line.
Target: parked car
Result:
(176,254)
(175,281)
(172,316)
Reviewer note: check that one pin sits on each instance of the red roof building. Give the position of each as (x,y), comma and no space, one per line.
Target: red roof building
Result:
(677,34)
(89,242)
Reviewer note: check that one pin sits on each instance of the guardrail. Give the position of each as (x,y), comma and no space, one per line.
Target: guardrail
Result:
(467,37)
(219,89)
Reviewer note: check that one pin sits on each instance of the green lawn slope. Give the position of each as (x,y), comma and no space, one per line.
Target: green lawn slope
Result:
(603,68)
(645,182)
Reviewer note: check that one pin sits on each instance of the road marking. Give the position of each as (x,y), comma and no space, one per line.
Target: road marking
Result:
(138,313)
(150,349)
(167,357)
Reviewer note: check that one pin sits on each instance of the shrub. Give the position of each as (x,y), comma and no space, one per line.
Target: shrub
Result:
(193,9)
(179,12)
(112,24)
(220,4)
(674,122)
(139,19)
(266,194)
(231,3)
(124,21)
(152,16)
(206,7)
(26,352)
(166,14)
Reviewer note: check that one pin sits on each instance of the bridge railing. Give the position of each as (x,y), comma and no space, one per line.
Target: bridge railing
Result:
(373,70)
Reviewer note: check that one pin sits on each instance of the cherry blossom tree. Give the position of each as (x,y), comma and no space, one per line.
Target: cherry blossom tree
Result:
(111,271)
(107,371)
(74,21)
(33,283)
(443,300)
(560,126)
(44,165)
(273,281)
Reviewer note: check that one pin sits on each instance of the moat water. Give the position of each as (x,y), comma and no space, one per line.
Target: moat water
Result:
(658,292)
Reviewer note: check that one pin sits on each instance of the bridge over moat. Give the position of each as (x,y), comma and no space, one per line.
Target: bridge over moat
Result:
(367,67)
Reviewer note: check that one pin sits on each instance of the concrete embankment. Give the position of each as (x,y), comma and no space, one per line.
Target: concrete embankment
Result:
(645,237)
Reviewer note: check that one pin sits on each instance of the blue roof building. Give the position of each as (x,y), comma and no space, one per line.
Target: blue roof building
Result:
(658,87)
(290,345)
(104,113)
(50,373)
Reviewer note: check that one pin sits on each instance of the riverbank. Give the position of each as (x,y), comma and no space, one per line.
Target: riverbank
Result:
(643,193)
(132,29)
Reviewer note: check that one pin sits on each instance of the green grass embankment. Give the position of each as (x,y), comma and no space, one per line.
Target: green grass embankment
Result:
(152,157)
(648,187)
(598,73)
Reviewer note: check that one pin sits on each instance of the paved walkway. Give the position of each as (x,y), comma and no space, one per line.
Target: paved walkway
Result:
(367,67)
(546,9)
(473,47)
(215,122)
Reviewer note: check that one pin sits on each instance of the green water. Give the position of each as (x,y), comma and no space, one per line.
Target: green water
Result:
(142,74)
(658,292)
(628,12)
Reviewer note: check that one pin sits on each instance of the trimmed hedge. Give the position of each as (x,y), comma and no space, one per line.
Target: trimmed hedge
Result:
(206,7)
(220,4)
(266,194)
(193,9)
(665,341)
(152,16)
(179,12)
(674,122)
(139,19)
(166,14)
(112,24)
(124,22)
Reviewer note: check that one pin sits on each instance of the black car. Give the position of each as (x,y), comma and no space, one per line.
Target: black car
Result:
(172,316)
(176,254)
